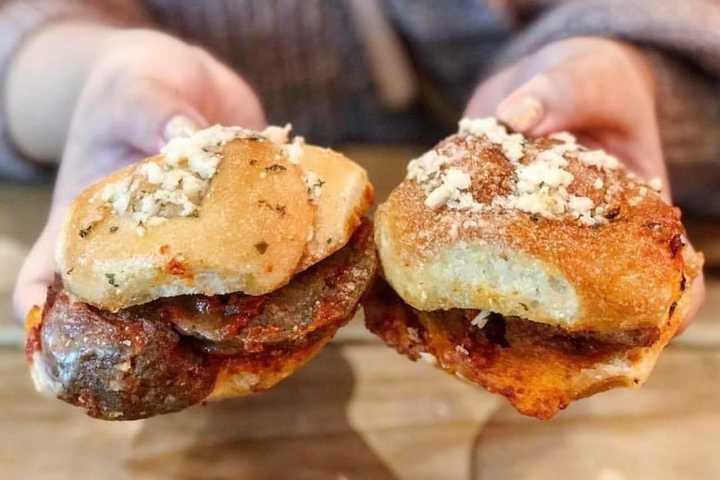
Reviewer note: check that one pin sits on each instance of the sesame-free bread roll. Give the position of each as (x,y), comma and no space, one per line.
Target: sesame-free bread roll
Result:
(222,210)
(539,269)
(562,235)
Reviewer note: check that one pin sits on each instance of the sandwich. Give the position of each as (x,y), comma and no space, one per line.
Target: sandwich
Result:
(214,269)
(539,269)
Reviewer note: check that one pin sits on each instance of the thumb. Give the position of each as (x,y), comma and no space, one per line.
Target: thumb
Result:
(560,100)
(585,96)
(37,270)
(581,93)
(230,100)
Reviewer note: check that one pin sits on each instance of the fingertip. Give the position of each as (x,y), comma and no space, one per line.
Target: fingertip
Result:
(697,296)
(521,113)
(529,105)
(37,270)
(26,297)
(181,125)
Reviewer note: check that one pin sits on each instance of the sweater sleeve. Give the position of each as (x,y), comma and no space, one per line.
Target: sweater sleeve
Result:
(681,40)
(18,20)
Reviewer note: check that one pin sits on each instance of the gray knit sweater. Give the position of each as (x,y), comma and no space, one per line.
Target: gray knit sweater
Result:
(314,66)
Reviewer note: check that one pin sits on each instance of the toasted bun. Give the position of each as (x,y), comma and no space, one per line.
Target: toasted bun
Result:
(600,252)
(260,221)
(345,198)
(238,378)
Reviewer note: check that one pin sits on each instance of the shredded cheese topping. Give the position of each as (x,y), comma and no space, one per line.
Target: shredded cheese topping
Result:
(655,184)
(314,185)
(294,150)
(542,179)
(175,185)
(442,187)
(481,319)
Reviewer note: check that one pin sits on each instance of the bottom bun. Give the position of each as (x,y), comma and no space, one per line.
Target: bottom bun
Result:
(240,377)
(231,377)
(538,368)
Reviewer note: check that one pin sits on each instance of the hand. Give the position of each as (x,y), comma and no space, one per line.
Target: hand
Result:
(599,89)
(137,84)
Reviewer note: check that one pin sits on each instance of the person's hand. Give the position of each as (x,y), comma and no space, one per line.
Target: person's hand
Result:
(140,81)
(601,90)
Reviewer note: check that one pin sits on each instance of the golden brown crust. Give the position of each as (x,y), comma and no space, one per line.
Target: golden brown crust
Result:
(345,196)
(538,370)
(623,274)
(237,377)
(254,229)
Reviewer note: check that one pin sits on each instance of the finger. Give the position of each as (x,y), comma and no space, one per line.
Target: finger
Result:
(490,93)
(581,95)
(134,116)
(179,126)
(697,295)
(38,268)
(78,169)
(143,120)
(234,102)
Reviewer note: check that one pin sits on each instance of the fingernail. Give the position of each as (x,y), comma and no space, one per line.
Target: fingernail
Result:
(179,126)
(521,114)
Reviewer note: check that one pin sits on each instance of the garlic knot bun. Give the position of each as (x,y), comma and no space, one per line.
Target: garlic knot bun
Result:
(222,210)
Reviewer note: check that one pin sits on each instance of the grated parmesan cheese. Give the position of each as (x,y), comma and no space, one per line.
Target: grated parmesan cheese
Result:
(294,150)
(278,135)
(428,358)
(426,167)
(443,187)
(175,185)
(314,185)
(454,182)
(487,126)
(598,158)
(512,144)
(542,182)
(461,350)
(481,319)
(655,184)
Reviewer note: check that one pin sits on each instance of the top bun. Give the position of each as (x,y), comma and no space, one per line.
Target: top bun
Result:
(221,210)
(542,229)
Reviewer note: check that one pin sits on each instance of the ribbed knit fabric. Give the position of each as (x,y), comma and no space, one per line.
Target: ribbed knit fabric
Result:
(307,63)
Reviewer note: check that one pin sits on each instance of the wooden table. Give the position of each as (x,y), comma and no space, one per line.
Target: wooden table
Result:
(360,411)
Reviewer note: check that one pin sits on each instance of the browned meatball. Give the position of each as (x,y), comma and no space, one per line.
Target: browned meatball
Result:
(117,365)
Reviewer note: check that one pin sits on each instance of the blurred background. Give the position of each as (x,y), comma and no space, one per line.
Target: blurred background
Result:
(379,81)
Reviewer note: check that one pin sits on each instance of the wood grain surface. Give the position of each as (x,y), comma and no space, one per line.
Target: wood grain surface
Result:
(361,411)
